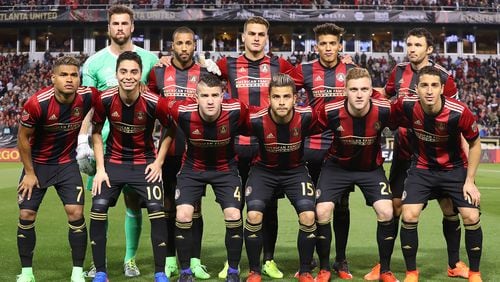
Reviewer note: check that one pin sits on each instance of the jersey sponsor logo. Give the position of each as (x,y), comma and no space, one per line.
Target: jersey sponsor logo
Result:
(340,77)
(57,127)
(76,112)
(358,140)
(430,137)
(251,82)
(53,117)
(327,91)
(178,91)
(128,128)
(115,114)
(205,143)
(282,148)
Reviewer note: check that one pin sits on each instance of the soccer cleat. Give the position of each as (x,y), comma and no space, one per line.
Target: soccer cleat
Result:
(199,270)
(130,269)
(78,277)
(271,269)
(374,274)
(171,267)
(161,277)
(475,276)
(100,277)
(185,277)
(25,278)
(314,264)
(460,270)
(223,272)
(233,277)
(388,277)
(323,276)
(342,270)
(411,276)
(254,277)
(306,277)
(91,272)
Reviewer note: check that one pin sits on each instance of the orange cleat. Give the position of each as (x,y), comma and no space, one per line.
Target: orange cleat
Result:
(306,277)
(323,276)
(411,276)
(374,274)
(460,270)
(475,276)
(254,277)
(388,277)
(342,270)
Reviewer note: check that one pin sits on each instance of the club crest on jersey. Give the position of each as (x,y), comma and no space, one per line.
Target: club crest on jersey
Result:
(25,115)
(377,125)
(223,129)
(193,78)
(76,112)
(264,68)
(248,191)
(140,115)
(441,125)
(295,132)
(340,77)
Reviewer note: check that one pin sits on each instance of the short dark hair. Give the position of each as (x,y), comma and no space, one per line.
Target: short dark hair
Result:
(129,55)
(429,70)
(120,9)
(182,29)
(256,20)
(422,32)
(210,80)
(66,60)
(282,80)
(328,29)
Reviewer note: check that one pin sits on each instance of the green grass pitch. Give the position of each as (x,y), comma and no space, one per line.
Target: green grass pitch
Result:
(52,261)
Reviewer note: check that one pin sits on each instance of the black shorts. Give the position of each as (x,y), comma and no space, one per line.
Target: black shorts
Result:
(314,159)
(263,183)
(65,178)
(151,193)
(334,181)
(170,168)
(226,186)
(397,176)
(423,185)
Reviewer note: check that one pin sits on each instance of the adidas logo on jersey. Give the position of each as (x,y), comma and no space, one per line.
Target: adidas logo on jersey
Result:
(418,122)
(53,117)
(270,136)
(318,78)
(340,128)
(196,132)
(170,78)
(115,114)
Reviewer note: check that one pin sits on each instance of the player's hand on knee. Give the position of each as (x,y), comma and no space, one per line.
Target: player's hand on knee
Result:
(26,185)
(471,193)
(100,177)
(153,172)
(209,64)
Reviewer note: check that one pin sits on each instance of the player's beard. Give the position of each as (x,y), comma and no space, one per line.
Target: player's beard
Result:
(120,41)
(182,61)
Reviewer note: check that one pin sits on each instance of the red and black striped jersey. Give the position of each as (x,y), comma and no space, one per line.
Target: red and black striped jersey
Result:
(356,142)
(56,125)
(176,84)
(402,82)
(281,146)
(436,139)
(248,81)
(322,84)
(130,139)
(210,145)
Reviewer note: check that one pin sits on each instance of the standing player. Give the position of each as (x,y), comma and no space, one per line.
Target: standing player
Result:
(178,82)
(129,159)
(100,71)
(210,126)
(355,157)
(440,166)
(248,77)
(402,82)
(324,80)
(280,129)
(47,138)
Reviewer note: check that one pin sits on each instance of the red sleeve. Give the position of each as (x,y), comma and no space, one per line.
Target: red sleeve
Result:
(450,88)
(222,64)
(96,95)
(298,76)
(322,122)
(285,66)
(244,119)
(152,81)
(31,113)
(390,89)
(315,126)
(99,112)
(397,117)
(163,112)
(377,95)
(468,125)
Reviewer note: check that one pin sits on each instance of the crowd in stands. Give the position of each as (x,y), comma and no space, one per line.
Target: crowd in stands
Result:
(258,4)
(477,81)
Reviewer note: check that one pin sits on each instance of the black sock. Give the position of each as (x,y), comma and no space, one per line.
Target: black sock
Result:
(184,242)
(158,238)
(234,242)
(452,234)
(26,240)
(385,241)
(306,241)
(323,242)
(253,244)
(474,244)
(77,236)
(409,244)
(396,226)
(341,223)
(270,229)
(98,238)
(197,234)
(170,221)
